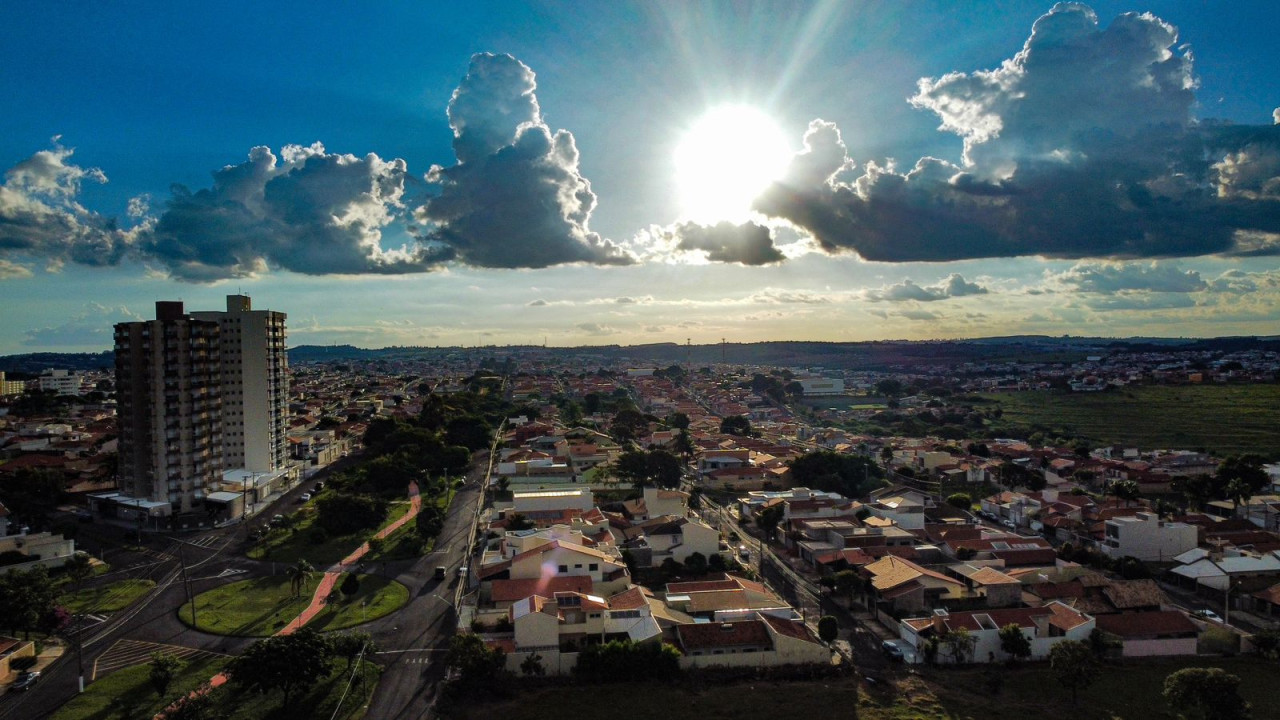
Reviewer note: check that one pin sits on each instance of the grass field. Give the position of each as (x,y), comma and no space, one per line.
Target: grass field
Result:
(1127,692)
(251,608)
(127,695)
(1222,419)
(378,596)
(290,546)
(106,598)
(262,606)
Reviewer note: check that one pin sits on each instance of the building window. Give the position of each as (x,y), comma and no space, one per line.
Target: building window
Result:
(593,567)
(564,568)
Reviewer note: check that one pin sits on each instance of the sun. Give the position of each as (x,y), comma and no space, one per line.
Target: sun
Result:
(725,160)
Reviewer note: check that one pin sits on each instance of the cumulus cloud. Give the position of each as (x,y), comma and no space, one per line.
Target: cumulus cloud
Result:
(10,270)
(1083,144)
(537,303)
(515,198)
(954,286)
(748,244)
(1111,278)
(309,211)
(591,328)
(92,327)
(41,216)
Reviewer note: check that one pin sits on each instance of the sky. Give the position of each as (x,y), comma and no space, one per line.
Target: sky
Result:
(621,173)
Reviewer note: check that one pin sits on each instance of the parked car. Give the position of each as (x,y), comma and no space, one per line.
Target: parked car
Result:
(277,520)
(304,497)
(743,553)
(1207,614)
(26,680)
(892,650)
(319,486)
(441,571)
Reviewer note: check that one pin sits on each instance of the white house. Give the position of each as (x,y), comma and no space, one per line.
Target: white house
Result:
(1146,537)
(1044,626)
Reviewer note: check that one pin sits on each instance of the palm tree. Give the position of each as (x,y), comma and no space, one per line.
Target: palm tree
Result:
(299,573)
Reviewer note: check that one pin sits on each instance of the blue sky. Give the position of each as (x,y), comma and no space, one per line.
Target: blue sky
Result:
(1114,179)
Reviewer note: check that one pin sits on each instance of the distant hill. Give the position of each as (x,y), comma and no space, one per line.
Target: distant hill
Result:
(874,355)
(35,363)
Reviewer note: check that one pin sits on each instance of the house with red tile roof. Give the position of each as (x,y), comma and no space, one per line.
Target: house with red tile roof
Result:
(757,640)
(1044,627)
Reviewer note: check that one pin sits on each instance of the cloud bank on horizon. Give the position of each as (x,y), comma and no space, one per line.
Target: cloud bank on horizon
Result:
(1083,145)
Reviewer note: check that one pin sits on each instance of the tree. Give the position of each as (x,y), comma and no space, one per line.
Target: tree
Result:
(677,420)
(284,662)
(849,475)
(299,573)
(163,668)
(79,568)
(349,645)
(26,597)
(478,665)
(1209,693)
(519,521)
(959,644)
(828,628)
(737,425)
(929,649)
(345,513)
(1014,643)
(350,585)
(1074,666)
(886,455)
(960,500)
(1267,642)
(430,521)
(32,494)
(767,519)
(1126,490)
(628,424)
(531,666)
(846,581)
(696,564)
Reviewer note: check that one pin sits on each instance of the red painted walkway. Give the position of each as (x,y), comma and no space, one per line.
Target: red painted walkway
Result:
(325,587)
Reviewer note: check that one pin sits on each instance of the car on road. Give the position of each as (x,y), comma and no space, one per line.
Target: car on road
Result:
(304,497)
(743,553)
(319,487)
(277,520)
(26,680)
(892,650)
(441,571)
(1207,614)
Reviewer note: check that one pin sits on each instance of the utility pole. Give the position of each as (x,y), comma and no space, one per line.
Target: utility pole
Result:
(186,583)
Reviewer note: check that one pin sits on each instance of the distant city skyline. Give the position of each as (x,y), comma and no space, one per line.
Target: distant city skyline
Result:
(630,173)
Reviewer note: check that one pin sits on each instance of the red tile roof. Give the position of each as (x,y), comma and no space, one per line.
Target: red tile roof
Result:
(512,590)
(1148,624)
(709,636)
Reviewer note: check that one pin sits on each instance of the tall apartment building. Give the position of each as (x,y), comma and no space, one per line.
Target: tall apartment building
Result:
(255,385)
(198,394)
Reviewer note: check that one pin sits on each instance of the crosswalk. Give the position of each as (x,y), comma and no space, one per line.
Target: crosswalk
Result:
(127,653)
(206,541)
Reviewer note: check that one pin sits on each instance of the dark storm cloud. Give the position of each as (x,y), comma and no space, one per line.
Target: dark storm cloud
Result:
(308,211)
(954,286)
(748,243)
(42,219)
(1081,145)
(515,199)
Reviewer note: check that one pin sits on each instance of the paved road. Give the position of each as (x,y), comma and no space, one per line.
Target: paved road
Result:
(214,557)
(412,642)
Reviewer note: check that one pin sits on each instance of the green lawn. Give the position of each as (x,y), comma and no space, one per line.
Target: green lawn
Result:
(289,546)
(262,606)
(253,608)
(127,694)
(382,595)
(1223,419)
(1129,691)
(106,598)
